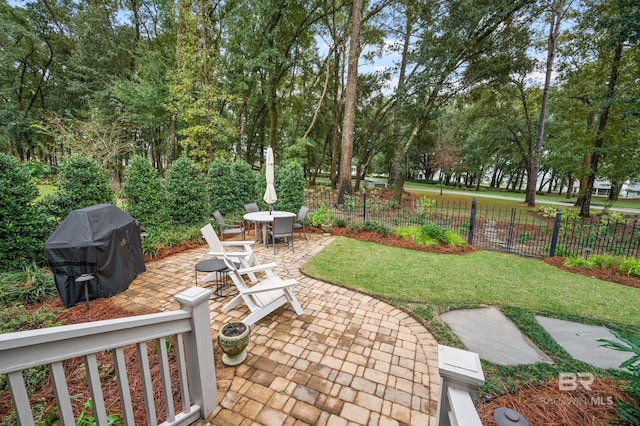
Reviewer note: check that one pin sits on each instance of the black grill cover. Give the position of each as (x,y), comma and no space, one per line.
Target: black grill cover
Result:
(100,240)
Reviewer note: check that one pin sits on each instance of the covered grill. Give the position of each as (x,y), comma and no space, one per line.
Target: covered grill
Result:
(100,240)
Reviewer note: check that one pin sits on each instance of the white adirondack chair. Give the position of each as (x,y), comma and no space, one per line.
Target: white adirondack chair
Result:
(246,257)
(264,297)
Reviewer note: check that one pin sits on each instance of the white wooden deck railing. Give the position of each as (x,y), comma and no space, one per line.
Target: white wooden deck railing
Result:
(460,375)
(51,346)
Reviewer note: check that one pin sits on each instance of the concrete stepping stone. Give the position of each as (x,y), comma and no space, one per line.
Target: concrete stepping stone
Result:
(581,342)
(493,336)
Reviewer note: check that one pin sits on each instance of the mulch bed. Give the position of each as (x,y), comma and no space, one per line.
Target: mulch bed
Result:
(548,405)
(602,274)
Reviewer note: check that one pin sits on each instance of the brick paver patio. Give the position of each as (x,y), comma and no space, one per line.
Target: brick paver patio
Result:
(349,360)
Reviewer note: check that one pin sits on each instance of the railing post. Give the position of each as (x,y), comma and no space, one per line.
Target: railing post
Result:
(472,221)
(556,231)
(460,372)
(201,370)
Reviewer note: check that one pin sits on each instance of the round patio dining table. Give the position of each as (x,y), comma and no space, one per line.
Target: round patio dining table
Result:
(264,217)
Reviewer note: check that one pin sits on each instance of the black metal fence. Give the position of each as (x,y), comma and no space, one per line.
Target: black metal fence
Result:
(508,230)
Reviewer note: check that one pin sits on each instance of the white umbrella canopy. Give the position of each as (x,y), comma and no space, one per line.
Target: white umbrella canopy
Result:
(270,195)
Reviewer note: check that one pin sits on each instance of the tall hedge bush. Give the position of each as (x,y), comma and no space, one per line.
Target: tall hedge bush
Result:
(230,185)
(145,195)
(289,183)
(82,183)
(23,228)
(187,198)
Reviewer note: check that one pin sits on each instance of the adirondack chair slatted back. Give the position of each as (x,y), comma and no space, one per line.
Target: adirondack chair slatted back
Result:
(212,239)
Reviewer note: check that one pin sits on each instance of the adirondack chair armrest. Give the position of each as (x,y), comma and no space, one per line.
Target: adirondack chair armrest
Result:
(231,254)
(237,243)
(228,253)
(269,286)
(258,268)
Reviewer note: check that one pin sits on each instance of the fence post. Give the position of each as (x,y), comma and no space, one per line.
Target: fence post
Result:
(556,231)
(472,221)
(511,226)
(364,205)
(199,349)
(460,375)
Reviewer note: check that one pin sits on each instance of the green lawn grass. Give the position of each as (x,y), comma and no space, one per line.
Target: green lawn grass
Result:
(473,279)
(427,285)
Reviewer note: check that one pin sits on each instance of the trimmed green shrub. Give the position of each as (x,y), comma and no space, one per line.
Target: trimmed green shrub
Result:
(23,228)
(230,186)
(289,183)
(82,183)
(187,199)
(245,184)
(145,195)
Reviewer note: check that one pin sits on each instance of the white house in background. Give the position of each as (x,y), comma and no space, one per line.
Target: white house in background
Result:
(603,187)
(631,191)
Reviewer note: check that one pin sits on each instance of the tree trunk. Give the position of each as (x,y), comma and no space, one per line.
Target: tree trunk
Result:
(399,188)
(397,123)
(348,126)
(614,193)
(172,140)
(333,173)
(602,126)
(554,31)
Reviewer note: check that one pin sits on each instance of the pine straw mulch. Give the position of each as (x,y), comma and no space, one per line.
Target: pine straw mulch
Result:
(101,309)
(548,405)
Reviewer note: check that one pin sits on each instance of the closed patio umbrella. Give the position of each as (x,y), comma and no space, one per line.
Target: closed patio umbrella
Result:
(270,196)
